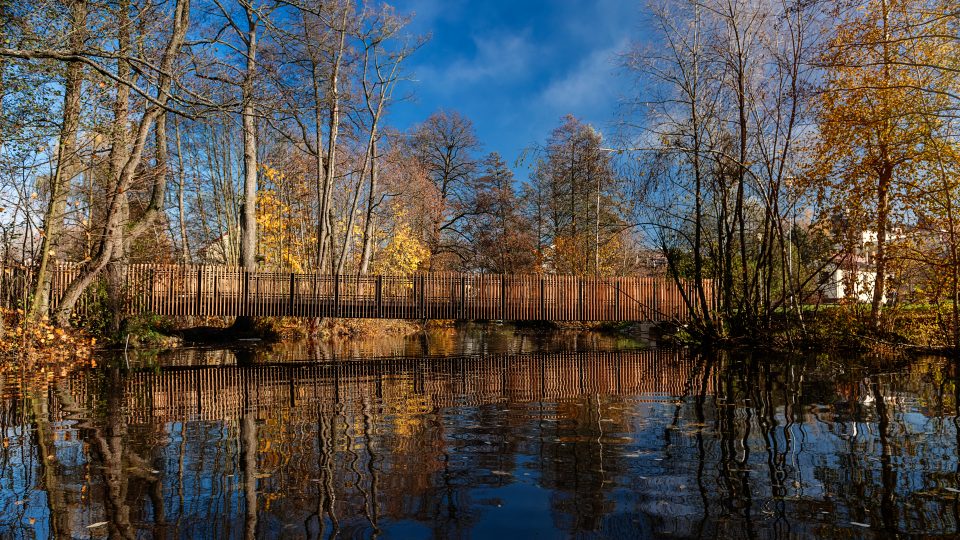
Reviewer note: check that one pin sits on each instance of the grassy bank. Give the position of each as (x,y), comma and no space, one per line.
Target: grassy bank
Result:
(837,328)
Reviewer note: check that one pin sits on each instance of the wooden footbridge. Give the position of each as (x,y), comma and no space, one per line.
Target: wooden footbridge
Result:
(184,290)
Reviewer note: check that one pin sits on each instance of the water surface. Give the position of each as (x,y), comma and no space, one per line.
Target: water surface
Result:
(484,437)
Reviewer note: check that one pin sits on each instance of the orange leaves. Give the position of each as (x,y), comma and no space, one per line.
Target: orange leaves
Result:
(877,111)
(43,345)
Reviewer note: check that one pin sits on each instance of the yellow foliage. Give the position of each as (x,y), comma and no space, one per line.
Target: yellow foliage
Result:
(879,108)
(404,254)
(281,247)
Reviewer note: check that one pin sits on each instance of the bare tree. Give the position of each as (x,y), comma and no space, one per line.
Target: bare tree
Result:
(380,73)
(445,144)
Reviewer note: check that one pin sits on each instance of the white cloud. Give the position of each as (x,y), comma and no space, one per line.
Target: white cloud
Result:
(591,82)
(497,57)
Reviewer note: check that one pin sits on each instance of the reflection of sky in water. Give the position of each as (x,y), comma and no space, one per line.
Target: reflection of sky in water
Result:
(501,446)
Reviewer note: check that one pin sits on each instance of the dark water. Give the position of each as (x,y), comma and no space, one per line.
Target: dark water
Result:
(606,442)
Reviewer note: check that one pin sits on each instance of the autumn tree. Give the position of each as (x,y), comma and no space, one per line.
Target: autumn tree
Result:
(500,235)
(67,160)
(445,145)
(874,119)
(574,199)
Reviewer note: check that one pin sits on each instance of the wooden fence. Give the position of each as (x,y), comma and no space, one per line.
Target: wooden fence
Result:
(182,290)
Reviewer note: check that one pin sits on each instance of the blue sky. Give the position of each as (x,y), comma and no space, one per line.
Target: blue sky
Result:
(516,67)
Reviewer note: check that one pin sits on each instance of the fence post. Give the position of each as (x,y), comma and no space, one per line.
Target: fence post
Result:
(543,299)
(422,301)
(292,286)
(127,293)
(655,316)
(199,291)
(336,295)
(153,280)
(378,295)
(503,297)
(246,293)
(580,298)
(171,283)
(463,296)
(616,300)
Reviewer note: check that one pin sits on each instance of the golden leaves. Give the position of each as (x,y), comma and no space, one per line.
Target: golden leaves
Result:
(404,254)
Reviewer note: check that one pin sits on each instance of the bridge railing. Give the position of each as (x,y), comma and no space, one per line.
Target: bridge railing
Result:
(194,290)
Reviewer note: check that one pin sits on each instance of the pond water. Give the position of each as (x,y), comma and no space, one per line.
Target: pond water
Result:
(484,432)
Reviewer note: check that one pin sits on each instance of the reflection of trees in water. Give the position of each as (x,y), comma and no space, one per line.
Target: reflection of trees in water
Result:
(44,440)
(623,444)
(466,339)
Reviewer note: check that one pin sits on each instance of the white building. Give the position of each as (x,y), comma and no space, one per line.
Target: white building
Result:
(854,278)
(837,284)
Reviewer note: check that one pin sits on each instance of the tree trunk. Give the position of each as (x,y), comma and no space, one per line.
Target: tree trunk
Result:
(248,208)
(67,164)
(248,213)
(111,233)
(954,273)
(884,180)
(368,231)
(333,128)
(248,460)
(181,220)
(116,269)
(348,233)
(880,262)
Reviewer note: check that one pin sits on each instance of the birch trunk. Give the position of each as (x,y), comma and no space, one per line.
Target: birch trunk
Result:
(333,128)
(248,212)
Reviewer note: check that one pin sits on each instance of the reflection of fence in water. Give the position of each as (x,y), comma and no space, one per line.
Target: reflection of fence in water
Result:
(229,391)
